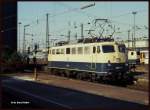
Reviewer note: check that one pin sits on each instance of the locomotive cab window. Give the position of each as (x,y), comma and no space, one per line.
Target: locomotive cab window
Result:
(108,48)
(121,48)
(98,49)
(94,49)
(67,50)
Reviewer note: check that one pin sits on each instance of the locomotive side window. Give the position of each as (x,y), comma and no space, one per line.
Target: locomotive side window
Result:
(57,51)
(121,48)
(86,50)
(62,51)
(67,50)
(94,49)
(80,50)
(98,49)
(73,50)
(53,51)
(108,48)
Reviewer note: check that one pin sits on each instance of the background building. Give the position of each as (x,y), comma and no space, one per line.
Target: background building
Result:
(8,28)
(140,44)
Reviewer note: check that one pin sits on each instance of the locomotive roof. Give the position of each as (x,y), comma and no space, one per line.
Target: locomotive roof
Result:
(86,44)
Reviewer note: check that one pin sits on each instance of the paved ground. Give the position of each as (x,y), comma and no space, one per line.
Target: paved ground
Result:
(49,96)
(88,87)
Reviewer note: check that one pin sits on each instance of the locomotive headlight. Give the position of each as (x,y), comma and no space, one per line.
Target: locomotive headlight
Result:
(118,60)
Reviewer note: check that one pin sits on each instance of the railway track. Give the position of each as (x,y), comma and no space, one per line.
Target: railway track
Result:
(125,83)
(133,84)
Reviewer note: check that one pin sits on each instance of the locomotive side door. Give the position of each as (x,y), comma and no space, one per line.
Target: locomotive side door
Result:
(94,58)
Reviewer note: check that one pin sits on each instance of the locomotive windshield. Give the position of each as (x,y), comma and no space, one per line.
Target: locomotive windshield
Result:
(121,48)
(108,48)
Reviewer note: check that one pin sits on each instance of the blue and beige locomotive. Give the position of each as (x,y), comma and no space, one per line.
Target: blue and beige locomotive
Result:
(95,60)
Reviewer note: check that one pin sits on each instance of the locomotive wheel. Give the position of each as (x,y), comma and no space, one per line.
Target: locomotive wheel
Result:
(79,76)
(63,73)
(93,77)
(48,71)
(55,72)
(100,79)
(52,71)
(71,74)
(67,73)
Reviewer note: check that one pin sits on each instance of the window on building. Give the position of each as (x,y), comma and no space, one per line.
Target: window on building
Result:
(132,53)
(86,50)
(98,49)
(80,50)
(94,49)
(73,50)
(138,52)
(53,51)
(143,55)
(49,51)
(146,55)
(67,50)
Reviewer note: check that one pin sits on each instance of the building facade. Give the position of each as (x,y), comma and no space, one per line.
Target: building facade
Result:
(8,28)
(140,44)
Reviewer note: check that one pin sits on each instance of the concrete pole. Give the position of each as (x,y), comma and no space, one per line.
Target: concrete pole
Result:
(19,37)
(82,36)
(134,13)
(24,40)
(35,74)
(128,38)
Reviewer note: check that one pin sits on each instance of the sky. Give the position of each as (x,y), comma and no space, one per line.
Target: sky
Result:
(65,16)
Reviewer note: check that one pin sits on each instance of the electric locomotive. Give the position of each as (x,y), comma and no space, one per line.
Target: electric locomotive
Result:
(96,60)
